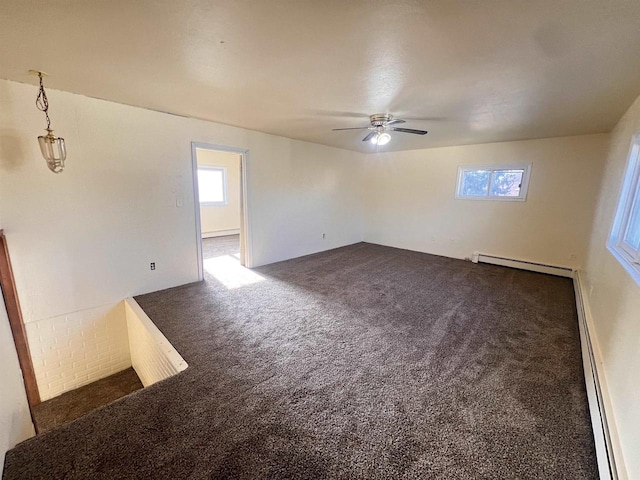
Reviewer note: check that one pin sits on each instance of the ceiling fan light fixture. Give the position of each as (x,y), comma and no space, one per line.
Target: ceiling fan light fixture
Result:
(380,124)
(381,139)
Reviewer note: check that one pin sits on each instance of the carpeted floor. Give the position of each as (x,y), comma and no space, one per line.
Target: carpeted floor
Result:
(76,403)
(216,246)
(364,362)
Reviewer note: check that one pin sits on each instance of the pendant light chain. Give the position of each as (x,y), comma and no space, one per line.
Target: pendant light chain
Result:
(42,102)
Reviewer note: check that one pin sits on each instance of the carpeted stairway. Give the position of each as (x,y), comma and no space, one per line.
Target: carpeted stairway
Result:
(364,362)
(76,403)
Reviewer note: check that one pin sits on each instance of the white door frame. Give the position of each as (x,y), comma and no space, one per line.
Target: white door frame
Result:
(246,250)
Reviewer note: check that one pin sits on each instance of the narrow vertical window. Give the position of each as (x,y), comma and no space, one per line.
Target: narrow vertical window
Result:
(624,241)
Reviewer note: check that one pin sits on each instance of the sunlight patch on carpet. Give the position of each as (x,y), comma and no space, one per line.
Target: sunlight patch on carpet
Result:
(228,271)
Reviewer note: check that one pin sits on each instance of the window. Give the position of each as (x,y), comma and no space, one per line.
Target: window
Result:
(624,241)
(497,182)
(212,186)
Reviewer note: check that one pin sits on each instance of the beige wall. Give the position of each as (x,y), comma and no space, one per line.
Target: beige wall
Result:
(410,201)
(15,419)
(216,218)
(614,300)
(83,239)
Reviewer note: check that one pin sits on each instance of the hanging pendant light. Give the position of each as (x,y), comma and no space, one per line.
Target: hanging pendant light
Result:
(52,147)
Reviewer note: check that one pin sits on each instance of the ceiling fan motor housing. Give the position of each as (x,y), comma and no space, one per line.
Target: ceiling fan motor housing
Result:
(380,119)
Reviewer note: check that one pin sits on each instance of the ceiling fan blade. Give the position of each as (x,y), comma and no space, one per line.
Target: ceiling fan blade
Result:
(369,136)
(409,130)
(395,121)
(354,128)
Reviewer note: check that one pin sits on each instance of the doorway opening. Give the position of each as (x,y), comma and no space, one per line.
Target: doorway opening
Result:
(221,217)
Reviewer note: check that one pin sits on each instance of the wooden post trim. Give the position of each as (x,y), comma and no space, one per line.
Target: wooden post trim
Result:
(17,324)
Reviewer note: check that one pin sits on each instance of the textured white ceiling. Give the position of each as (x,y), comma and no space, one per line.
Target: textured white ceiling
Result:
(472,71)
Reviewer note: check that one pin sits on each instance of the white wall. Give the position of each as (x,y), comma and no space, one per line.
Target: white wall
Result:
(75,349)
(225,217)
(410,200)
(152,356)
(614,300)
(84,238)
(15,419)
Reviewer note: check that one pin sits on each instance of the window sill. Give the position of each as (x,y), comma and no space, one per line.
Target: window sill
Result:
(632,269)
(491,199)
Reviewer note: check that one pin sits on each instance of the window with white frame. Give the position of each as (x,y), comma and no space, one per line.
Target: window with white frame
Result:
(494,182)
(624,241)
(212,185)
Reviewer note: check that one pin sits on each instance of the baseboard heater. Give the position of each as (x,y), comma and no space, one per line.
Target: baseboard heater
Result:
(608,468)
(221,233)
(522,264)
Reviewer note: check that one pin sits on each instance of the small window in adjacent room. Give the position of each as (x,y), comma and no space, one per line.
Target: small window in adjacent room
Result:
(212,185)
(497,182)
(624,242)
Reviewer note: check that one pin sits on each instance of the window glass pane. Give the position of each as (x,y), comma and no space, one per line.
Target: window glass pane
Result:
(475,182)
(210,185)
(506,183)
(632,235)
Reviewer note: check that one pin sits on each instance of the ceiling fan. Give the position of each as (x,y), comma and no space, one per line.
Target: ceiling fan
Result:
(381,123)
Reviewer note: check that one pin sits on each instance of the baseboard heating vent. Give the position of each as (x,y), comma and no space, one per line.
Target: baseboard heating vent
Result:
(522,264)
(604,430)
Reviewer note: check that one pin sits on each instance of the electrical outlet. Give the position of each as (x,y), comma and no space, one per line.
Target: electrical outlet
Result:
(153,265)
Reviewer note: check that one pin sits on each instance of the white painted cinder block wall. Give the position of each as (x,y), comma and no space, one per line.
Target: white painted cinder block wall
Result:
(75,349)
(152,355)
(84,239)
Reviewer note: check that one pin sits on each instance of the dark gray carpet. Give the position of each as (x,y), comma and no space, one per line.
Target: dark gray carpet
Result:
(218,246)
(76,403)
(363,362)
